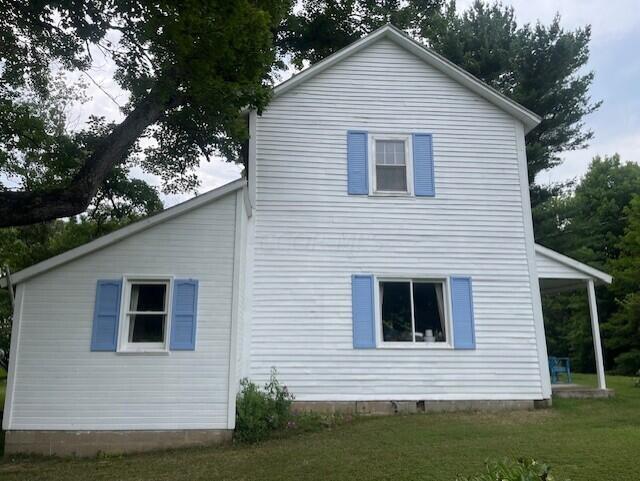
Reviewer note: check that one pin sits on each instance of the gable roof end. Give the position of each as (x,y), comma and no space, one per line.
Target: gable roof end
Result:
(595,274)
(526,116)
(124,232)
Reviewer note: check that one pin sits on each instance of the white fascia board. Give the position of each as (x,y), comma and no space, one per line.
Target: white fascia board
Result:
(125,232)
(574,264)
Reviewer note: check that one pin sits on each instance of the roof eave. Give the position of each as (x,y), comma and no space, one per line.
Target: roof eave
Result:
(528,118)
(124,232)
(592,272)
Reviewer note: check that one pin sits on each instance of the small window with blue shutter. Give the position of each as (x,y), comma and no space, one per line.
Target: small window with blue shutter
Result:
(399,164)
(145,314)
(153,315)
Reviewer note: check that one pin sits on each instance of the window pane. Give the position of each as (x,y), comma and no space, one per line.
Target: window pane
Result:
(399,153)
(396,311)
(146,328)
(391,178)
(147,297)
(428,305)
(390,152)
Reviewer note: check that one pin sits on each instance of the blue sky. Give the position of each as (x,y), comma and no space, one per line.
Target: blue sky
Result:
(614,59)
(616,62)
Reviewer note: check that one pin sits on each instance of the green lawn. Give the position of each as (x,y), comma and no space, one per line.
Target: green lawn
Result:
(581,439)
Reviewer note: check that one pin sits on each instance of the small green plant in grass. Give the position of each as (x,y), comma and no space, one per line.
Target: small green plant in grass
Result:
(259,412)
(511,470)
(308,422)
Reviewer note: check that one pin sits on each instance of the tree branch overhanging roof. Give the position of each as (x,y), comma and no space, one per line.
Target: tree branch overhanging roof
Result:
(529,119)
(124,232)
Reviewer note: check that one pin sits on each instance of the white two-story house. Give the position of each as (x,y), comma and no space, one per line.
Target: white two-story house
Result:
(379,254)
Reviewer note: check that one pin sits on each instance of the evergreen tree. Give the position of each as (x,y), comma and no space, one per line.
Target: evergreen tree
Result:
(539,66)
(588,223)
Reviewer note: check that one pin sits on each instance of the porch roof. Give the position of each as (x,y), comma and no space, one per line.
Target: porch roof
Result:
(558,272)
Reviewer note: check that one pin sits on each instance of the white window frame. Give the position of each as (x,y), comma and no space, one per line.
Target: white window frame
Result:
(448,324)
(124,346)
(408,156)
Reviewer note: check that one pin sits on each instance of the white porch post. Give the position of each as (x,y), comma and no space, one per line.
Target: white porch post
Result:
(595,329)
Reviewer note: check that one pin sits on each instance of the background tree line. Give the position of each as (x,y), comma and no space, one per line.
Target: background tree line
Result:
(189,67)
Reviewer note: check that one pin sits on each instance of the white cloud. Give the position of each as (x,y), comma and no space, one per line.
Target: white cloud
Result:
(609,19)
(212,174)
(576,163)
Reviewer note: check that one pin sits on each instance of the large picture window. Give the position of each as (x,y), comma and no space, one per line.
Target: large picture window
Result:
(146,314)
(413,311)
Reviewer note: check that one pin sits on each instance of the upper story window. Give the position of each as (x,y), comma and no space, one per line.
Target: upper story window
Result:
(146,315)
(385,164)
(413,311)
(391,172)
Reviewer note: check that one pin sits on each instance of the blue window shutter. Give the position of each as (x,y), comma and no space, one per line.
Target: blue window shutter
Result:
(364,332)
(106,315)
(183,315)
(462,304)
(357,163)
(423,171)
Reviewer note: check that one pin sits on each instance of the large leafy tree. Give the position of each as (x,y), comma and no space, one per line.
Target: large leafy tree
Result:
(539,66)
(119,200)
(623,330)
(323,27)
(588,221)
(188,68)
(594,224)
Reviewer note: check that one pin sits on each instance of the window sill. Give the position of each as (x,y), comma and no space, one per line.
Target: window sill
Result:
(417,345)
(146,352)
(391,194)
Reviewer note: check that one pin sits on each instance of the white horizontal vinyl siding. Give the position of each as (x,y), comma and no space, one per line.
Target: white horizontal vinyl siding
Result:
(311,236)
(61,384)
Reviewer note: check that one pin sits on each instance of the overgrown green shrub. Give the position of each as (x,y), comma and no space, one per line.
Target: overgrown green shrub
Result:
(310,422)
(259,412)
(510,470)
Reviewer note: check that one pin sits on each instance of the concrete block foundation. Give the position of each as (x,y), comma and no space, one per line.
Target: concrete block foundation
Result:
(573,391)
(381,408)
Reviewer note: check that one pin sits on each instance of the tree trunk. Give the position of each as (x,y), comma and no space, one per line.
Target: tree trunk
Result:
(29,207)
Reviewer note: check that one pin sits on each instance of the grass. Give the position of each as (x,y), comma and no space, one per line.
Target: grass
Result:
(581,439)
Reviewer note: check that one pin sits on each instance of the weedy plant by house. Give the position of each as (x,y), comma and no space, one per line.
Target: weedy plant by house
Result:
(259,412)
(512,470)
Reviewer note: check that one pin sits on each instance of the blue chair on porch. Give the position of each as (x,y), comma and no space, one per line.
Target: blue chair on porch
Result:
(557,366)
